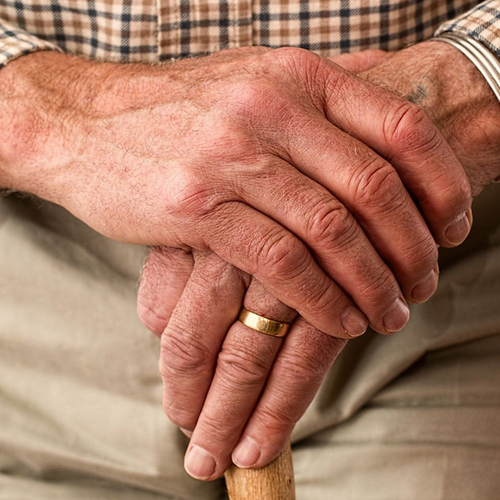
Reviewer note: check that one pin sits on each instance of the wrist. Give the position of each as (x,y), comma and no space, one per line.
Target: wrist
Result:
(30,113)
(440,79)
(46,97)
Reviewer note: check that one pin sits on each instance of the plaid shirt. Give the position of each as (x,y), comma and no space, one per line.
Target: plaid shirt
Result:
(153,31)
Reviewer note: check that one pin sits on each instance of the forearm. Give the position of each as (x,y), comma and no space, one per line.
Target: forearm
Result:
(48,103)
(10,117)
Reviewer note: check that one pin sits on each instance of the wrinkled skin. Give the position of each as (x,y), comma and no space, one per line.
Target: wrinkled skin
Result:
(467,114)
(295,171)
(246,153)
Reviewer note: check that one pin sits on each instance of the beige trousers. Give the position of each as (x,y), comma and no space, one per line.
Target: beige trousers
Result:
(411,416)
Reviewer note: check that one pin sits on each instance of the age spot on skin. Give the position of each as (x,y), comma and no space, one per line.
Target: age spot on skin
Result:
(417,95)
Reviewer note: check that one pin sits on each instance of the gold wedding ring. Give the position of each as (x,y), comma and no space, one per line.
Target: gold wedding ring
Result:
(262,324)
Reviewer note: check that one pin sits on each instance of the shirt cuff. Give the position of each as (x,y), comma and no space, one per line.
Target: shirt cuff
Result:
(482,23)
(16,43)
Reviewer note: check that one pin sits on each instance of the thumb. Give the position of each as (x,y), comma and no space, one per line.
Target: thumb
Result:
(361,61)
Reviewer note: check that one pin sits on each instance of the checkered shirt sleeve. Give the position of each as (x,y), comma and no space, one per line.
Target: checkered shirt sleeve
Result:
(482,23)
(106,30)
(15,42)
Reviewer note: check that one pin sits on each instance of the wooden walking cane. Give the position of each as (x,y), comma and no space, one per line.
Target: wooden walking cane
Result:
(274,482)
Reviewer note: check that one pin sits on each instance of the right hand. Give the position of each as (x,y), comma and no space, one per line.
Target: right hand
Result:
(276,160)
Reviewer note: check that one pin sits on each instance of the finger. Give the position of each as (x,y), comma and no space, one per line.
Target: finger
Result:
(284,266)
(403,134)
(163,278)
(361,61)
(208,306)
(339,244)
(243,365)
(299,369)
(372,190)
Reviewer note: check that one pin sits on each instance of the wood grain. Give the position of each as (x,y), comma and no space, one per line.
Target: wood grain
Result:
(274,482)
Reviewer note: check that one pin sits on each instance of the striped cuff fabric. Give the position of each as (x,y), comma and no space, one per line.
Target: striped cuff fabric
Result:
(15,43)
(481,23)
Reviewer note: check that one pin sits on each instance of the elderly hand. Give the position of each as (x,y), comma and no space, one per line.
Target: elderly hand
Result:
(213,381)
(444,83)
(191,352)
(281,162)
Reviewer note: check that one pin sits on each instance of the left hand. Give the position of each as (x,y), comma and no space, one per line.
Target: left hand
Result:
(426,74)
(214,368)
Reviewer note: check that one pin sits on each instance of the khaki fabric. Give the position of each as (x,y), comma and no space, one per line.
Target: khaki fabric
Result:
(413,415)
(433,434)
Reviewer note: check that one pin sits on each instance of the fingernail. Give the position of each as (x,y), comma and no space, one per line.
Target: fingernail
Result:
(246,453)
(425,288)
(459,229)
(469,216)
(199,463)
(354,322)
(397,317)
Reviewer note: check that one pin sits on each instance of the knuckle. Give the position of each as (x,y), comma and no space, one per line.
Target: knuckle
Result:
(189,194)
(314,349)
(216,426)
(331,222)
(324,302)
(253,100)
(422,255)
(231,141)
(323,82)
(194,195)
(262,112)
(249,93)
(409,129)
(321,298)
(281,255)
(378,184)
(335,82)
(240,366)
(211,272)
(380,287)
(304,368)
(278,417)
(182,356)
(295,58)
(310,72)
